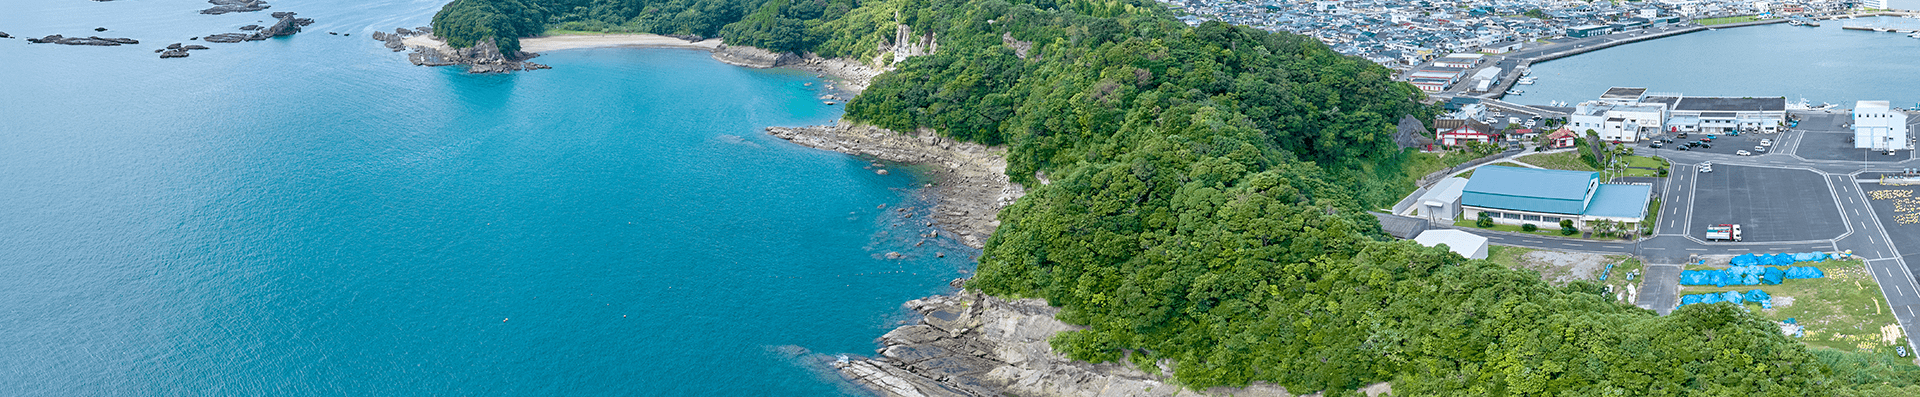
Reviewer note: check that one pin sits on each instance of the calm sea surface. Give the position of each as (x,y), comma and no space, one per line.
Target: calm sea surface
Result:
(1824,64)
(311,215)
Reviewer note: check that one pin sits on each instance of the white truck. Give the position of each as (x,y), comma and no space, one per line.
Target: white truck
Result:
(1723,232)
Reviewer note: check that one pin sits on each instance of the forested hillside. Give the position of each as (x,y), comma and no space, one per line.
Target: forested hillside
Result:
(1207,198)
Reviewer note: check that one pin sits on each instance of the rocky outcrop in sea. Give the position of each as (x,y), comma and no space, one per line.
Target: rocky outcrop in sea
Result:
(286,26)
(177,50)
(428,50)
(90,40)
(228,6)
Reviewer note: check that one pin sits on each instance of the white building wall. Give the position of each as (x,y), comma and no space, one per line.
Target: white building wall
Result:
(1877,126)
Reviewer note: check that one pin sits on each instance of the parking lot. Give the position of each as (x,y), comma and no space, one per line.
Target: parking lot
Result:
(1838,146)
(1770,204)
(1722,144)
(1889,209)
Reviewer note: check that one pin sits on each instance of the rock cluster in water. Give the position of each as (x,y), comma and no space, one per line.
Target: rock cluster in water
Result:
(287,25)
(90,40)
(484,57)
(3,35)
(227,6)
(176,50)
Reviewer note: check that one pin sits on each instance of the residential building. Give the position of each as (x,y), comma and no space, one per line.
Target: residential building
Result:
(1562,138)
(1877,126)
(1456,132)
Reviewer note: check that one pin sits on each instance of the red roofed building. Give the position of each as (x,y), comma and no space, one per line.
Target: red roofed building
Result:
(1459,132)
(1561,139)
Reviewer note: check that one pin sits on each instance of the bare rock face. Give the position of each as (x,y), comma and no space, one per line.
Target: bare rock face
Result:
(228,6)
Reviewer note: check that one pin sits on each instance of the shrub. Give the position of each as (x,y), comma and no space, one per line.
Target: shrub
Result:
(1486,220)
(1566,227)
(1529,227)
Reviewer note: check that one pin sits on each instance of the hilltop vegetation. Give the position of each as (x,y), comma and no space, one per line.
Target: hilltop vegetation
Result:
(1207,203)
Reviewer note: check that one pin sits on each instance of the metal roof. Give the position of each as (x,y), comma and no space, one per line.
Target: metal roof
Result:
(1527,189)
(1468,245)
(1620,201)
(1731,104)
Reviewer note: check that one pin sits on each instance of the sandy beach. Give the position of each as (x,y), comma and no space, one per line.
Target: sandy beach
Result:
(567,42)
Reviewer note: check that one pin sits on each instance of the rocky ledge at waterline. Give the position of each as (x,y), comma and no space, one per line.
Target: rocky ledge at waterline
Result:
(970,180)
(970,344)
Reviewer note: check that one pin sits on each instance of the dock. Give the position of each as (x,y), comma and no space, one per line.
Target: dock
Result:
(1880,29)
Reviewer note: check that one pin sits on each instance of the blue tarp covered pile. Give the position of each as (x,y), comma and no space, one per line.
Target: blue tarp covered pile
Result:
(1752,269)
(1778,259)
(1753,296)
(1804,272)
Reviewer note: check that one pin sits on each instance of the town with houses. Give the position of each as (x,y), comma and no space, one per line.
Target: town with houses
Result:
(1406,34)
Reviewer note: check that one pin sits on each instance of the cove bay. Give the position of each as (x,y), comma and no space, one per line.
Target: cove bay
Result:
(311,215)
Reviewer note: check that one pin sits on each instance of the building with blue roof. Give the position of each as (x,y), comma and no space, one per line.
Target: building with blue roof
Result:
(1542,197)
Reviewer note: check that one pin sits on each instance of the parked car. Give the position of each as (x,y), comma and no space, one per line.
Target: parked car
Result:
(1682,147)
(1743,153)
(1682,135)
(1706,164)
(1766,142)
(1656,145)
(1760,149)
(1705,145)
(1693,143)
(1708,138)
(1706,169)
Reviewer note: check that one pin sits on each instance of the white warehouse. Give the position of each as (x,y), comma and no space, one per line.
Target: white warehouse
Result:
(1877,126)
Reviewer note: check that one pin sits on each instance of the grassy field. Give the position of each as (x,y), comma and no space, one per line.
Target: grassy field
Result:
(1842,311)
(1559,161)
(1726,20)
(1562,267)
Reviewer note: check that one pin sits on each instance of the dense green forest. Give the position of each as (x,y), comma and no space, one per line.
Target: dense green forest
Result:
(1206,204)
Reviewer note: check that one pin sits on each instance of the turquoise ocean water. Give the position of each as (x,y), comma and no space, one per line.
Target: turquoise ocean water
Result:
(311,215)
(1823,64)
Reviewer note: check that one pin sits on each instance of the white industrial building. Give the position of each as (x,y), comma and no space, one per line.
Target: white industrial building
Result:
(1877,126)
(1466,244)
(1616,122)
(1442,202)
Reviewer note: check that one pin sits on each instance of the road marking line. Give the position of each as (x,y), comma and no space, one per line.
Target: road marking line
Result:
(1696,249)
(1613,246)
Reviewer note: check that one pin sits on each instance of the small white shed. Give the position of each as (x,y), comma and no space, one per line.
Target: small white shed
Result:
(1442,202)
(1466,244)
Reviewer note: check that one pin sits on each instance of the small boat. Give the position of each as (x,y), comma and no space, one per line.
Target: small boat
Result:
(1526,81)
(1514,92)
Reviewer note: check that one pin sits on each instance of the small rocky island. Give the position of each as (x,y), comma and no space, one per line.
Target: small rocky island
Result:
(89,40)
(176,50)
(228,6)
(288,25)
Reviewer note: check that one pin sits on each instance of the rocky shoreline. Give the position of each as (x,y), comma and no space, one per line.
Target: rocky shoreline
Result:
(969,344)
(970,181)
